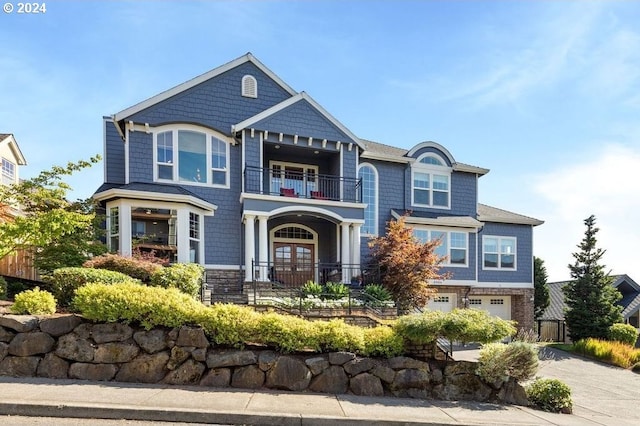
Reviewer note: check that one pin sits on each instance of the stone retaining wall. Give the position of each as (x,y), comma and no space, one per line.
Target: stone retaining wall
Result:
(70,347)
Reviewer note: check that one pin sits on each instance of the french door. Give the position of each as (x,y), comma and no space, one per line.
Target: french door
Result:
(293,263)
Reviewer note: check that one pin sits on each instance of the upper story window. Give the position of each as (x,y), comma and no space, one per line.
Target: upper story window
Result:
(249,86)
(454,245)
(431,182)
(191,156)
(499,252)
(369,177)
(8,172)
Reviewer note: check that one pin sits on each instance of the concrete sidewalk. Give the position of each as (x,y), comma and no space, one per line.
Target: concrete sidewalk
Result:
(109,400)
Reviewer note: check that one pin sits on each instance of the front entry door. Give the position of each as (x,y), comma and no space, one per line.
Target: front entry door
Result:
(293,265)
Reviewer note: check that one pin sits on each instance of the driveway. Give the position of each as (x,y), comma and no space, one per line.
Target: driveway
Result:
(601,393)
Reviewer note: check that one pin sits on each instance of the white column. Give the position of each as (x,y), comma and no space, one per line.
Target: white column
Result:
(125,229)
(249,246)
(355,248)
(182,231)
(345,255)
(263,250)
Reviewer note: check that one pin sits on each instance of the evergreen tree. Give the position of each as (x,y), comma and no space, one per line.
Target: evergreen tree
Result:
(541,297)
(590,297)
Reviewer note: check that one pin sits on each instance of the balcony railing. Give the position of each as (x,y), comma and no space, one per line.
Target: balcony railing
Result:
(288,274)
(295,184)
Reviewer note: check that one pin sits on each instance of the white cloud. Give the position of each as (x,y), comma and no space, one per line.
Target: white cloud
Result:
(606,185)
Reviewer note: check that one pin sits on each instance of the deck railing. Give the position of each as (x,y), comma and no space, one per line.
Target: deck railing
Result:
(294,184)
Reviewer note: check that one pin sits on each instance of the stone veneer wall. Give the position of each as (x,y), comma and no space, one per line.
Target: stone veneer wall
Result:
(70,347)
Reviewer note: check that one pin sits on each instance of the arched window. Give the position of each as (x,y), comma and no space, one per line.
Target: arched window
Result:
(431,182)
(249,86)
(369,177)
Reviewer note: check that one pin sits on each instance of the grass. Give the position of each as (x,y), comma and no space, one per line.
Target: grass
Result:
(614,353)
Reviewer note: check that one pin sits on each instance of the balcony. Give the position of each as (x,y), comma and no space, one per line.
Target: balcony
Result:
(301,183)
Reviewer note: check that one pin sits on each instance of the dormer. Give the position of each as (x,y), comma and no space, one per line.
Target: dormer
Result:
(10,158)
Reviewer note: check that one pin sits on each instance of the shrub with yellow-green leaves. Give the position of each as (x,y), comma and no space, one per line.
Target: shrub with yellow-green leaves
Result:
(228,324)
(615,353)
(550,395)
(186,277)
(132,302)
(382,341)
(623,333)
(63,282)
(34,302)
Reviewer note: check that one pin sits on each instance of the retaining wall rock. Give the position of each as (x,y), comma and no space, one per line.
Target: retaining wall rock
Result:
(69,346)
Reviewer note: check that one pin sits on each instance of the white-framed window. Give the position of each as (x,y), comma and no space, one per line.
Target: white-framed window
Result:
(369,176)
(8,172)
(454,244)
(114,229)
(499,252)
(194,237)
(431,182)
(249,86)
(302,179)
(192,155)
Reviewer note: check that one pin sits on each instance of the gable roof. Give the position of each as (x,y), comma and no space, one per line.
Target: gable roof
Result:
(10,140)
(630,301)
(302,96)
(494,214)
(200,79)
(378,151)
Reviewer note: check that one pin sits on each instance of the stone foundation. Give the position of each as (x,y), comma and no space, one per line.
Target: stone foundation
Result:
(69,347)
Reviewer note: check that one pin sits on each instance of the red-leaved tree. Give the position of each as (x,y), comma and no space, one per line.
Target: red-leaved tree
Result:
(407,264)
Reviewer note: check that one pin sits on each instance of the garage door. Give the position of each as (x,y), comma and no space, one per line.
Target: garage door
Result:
(444,302)
(499,306)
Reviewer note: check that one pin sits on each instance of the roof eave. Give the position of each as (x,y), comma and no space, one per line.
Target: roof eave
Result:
(154,196)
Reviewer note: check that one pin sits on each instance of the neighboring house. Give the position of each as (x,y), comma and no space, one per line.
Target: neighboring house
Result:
(551,324)
(239,172)
(19,264)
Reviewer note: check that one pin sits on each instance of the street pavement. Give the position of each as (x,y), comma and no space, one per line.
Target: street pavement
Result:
(602,395)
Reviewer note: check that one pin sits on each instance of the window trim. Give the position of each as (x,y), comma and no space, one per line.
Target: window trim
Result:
(499,267)
(431,170)
(448,233)
(209,134)
(377,198)
(7,175)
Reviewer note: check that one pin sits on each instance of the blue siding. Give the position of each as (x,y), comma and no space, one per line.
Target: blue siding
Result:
(468,273)
(114,154)
(391,191)
(140,157)
(302,119)
(463,195)
(217,102)
(431,150)
(252,150)
(524,258)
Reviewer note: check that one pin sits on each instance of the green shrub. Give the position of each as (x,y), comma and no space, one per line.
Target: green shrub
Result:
(336,335)
(623,333)
(3,289)
(377,293)
(15,287)
(498,361)
(133,302)
(286,333)
(34,302)
(141,269)
(186,277)
(311,288)
(64,281)
(382,341)
(550,395)
(464,325)
(229,324)
(334,291)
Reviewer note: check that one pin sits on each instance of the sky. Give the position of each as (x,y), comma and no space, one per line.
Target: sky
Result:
(545,94)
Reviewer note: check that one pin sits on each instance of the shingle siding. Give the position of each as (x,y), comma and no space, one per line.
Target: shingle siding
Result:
(114,161)
(217,102)
(140,157)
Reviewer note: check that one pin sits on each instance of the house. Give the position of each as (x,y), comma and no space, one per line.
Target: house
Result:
(551,324)
(19,264)
(239,172)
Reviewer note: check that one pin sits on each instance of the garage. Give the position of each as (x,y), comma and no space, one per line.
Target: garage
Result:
(499,306)
(444,302)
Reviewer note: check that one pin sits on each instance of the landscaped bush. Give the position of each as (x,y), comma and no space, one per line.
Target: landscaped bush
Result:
(550,395)
(186,277)
(334,291)
(499,361)
(464,325)
(382,341)
(34,302)
(229,324)
(376,295)
(138,268)
(64,281)
(286,333)
(3,289)
(132,302)
(311,288)
(623,333)
(336,335)
(615,353)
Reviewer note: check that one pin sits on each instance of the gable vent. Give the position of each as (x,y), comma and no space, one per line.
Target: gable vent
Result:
(249,86)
